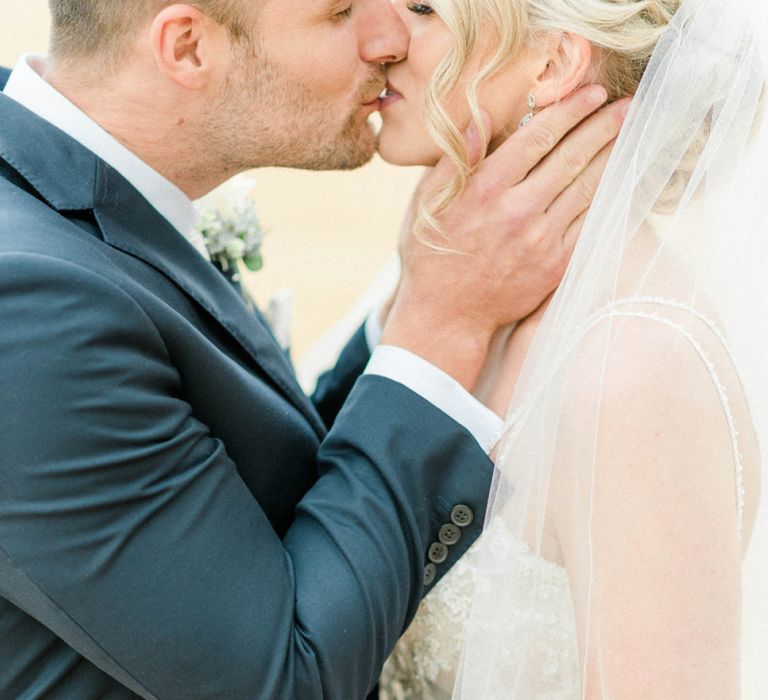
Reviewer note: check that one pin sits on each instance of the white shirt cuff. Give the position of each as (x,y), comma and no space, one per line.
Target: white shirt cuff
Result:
(440,389)
(373,329)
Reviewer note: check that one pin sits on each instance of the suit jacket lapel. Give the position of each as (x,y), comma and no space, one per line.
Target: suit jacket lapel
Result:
(71,178)
(130,224)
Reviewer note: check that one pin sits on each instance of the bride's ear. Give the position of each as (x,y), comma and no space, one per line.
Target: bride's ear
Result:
(569,65)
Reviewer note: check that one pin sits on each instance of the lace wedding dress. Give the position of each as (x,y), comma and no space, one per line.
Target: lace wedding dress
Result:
(537,610)
(425,661)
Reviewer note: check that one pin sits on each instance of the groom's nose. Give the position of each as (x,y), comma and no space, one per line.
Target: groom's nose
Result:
(384,37)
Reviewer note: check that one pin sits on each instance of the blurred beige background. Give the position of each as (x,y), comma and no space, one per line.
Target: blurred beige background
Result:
(329,234)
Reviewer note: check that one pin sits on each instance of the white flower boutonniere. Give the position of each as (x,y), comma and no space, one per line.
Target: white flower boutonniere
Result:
(230,226)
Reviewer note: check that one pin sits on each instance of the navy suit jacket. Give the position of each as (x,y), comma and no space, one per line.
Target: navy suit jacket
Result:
(4,75)
(177,519)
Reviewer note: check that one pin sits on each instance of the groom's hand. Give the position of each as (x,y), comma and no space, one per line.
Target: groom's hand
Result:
(505,241)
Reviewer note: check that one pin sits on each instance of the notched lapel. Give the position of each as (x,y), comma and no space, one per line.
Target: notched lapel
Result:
(131,225)
(59,168)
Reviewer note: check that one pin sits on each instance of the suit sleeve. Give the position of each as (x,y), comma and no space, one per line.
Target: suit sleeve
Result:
(125,528)
(334,386)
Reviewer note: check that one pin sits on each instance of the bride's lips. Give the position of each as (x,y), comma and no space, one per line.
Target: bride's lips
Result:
(391,95)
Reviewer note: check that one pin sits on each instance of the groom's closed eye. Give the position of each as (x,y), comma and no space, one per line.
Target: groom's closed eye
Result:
(337,9)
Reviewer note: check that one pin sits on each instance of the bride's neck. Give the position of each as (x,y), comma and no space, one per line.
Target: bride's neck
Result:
(506,357)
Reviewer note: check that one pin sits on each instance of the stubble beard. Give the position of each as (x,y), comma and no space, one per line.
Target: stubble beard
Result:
(264,119)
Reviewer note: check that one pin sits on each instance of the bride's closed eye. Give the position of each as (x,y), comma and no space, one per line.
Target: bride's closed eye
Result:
(420,8)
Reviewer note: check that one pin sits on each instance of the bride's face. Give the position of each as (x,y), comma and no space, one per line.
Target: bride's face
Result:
(404,138)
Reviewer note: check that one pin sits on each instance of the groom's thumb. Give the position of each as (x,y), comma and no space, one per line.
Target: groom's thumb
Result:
(477,136)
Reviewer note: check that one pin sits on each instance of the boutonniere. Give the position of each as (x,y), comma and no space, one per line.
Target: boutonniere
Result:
(230,226)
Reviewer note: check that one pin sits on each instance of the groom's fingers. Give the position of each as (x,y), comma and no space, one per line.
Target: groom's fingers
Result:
(578,196)
(566,165)
(525,149)
(572,233)
(475,141)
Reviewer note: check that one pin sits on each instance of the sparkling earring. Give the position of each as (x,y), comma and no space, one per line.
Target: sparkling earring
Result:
(531,108)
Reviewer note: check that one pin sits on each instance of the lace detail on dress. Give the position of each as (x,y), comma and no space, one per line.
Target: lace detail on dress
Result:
(426,660)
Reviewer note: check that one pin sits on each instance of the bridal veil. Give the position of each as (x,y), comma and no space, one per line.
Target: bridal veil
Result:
(631,456)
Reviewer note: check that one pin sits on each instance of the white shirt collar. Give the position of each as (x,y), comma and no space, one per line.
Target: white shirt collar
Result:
(27,87)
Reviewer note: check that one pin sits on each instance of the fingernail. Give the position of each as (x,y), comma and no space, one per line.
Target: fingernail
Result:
(597,95)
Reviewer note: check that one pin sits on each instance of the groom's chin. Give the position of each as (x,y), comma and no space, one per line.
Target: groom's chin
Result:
(365,147)
(354,148)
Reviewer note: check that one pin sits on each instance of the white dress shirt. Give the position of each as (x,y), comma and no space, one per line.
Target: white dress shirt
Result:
(27,87)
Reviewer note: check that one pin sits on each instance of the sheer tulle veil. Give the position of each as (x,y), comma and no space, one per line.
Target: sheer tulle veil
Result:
(631,453)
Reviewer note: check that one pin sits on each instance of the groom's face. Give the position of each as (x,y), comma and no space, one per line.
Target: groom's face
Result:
(300,91)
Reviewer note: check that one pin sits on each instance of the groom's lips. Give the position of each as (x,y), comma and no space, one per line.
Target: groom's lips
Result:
(373,104)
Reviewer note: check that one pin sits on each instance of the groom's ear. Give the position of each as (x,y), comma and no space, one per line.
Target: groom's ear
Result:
(189,47)
(569,66)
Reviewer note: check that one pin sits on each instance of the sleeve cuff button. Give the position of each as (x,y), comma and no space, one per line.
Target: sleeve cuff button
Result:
(437,553)
(430,572)
(462,515)
(449,534)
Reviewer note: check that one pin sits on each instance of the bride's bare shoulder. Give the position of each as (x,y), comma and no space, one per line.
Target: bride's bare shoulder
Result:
(655,379)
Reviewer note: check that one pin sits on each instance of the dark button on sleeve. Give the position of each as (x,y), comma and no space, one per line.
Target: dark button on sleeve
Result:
(437,553)
(449,534)
(462,515)
(430,572)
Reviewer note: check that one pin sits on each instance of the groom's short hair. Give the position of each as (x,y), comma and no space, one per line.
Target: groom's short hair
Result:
(89,28)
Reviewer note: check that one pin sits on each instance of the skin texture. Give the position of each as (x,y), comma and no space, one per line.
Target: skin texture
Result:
(550,195)
(318,77)
(404,138)
(297,92)
(293,94)
(549,68)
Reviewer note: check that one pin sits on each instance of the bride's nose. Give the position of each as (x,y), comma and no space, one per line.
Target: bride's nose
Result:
(384,36)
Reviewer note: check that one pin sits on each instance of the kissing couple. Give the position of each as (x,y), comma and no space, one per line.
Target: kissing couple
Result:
(534,473)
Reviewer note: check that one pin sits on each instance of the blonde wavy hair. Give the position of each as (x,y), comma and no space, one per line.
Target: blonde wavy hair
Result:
(623,32)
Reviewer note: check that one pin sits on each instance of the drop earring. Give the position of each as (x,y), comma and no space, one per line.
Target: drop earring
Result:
(531,110)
